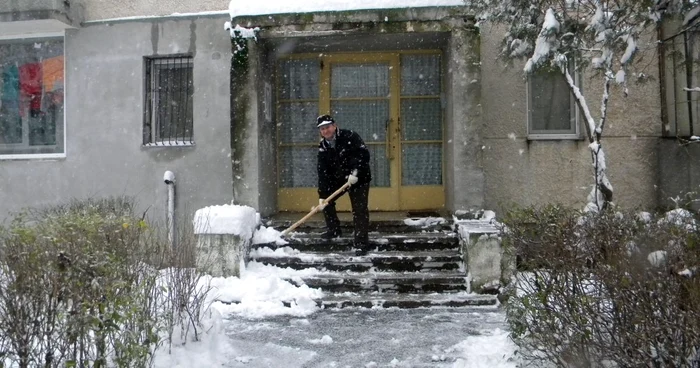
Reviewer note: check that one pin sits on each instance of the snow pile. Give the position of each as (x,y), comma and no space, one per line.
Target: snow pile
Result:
(210,351)
(679,217)
(488,215)
(424,222)
(493,349)
(644,217)
(325,340)
(257,295)
(226,219)
(267,235)
(657,258)
(237,8)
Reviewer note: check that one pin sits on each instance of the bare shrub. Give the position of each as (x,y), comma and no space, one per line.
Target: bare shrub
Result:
(604,290)
(82,285)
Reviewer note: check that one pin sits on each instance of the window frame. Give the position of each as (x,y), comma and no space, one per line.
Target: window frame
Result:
(151,121)
(575,117)
(39,156)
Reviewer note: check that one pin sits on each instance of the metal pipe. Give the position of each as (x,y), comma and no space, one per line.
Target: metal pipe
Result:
(169,179)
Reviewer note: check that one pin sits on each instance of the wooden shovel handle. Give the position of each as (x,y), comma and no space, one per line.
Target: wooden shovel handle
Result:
(316,209)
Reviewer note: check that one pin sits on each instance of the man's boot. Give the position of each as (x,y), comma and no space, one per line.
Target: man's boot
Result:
(362,249)
(331,234)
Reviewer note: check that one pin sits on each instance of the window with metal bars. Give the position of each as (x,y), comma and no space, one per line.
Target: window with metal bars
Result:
(680,66)
(168,119)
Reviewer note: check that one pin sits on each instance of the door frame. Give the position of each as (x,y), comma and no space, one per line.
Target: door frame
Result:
(393,198)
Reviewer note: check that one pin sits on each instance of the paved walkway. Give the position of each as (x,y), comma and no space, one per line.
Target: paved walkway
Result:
(366,338)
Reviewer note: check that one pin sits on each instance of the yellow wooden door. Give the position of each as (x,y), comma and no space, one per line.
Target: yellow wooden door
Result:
(364,93)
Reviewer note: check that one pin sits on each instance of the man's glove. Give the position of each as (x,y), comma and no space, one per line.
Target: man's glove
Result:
(321,205)
(352,178)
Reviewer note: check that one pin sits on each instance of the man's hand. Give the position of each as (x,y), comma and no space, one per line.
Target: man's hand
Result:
(321,204)
(352,178)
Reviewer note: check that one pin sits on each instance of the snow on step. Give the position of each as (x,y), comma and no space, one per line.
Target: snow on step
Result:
(398,261)
(409,282)
(347,300)
(381,241)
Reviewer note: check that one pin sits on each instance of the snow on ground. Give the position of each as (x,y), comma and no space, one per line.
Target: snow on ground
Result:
(260,331)
(263,320)
(260,295)
(492,349)
(422,337)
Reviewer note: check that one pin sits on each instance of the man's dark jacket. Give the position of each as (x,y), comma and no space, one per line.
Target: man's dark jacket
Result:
(336,163)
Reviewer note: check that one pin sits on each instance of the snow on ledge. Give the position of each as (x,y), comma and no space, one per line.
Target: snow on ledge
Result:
(226,219)
(424,221)
(239,8)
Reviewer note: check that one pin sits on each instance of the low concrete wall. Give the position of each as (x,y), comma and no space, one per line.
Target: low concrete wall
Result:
(222,255)
(224,234)
(483,255)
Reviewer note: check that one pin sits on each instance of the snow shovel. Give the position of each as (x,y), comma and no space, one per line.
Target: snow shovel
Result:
(316,209)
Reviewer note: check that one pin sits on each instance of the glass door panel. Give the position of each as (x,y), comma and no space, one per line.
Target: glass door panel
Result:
(391,100)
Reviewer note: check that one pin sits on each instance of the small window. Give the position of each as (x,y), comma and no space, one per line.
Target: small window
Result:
(31,98)
(552,112)
(168,117)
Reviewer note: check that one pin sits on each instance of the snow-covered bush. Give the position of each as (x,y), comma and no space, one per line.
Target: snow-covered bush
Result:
(604,290)
(81,285)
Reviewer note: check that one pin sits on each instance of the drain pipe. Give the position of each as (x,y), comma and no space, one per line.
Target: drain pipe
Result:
(169,179)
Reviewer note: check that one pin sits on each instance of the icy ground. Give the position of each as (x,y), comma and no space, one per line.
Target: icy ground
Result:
(435,337)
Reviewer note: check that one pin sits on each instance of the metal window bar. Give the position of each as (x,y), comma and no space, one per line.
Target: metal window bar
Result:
(684,58)
(169,97)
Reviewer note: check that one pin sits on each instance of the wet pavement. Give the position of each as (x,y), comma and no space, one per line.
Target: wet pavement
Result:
(425,337)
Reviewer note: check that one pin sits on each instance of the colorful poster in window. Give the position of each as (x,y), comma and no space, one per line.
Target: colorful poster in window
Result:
(31,96)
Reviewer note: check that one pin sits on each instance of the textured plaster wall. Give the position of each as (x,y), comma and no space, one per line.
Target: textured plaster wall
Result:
(246,168)
(523,172)
(679,168)
(106,9)
(464,174)
(104,122)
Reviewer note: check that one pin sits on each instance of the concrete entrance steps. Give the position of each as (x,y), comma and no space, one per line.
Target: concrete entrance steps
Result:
(408,266)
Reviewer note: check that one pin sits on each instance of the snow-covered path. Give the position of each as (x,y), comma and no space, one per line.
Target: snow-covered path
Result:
(436,337)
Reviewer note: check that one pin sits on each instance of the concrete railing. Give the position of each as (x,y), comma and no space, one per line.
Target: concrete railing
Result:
(224,234)
(483,256)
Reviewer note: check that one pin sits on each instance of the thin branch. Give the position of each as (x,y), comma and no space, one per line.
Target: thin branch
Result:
(604,105)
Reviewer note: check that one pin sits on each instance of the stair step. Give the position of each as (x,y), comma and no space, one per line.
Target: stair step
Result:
(382,241)
(348,300)
(414,282)
(407,225)
(347,261)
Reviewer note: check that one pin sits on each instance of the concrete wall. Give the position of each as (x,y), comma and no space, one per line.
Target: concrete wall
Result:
(107,9)
(464,176)
(22,17)
(104,122)
(679,168)
(524,172)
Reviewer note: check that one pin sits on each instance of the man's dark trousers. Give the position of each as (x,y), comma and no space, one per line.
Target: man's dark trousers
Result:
(359,196)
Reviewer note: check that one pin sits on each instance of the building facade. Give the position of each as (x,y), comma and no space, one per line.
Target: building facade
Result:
(100,98)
